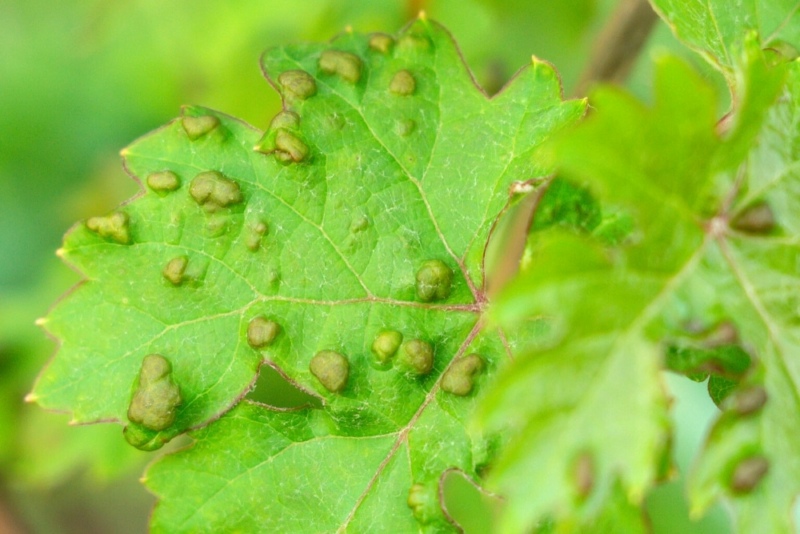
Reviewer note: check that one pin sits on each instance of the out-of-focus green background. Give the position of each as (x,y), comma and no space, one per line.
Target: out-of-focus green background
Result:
(80,79)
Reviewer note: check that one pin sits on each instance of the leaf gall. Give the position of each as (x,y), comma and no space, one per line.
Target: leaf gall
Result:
(213,191)
(404,127)
(748,473)
(750,400)
(459,378)
(254,235)
(163,181)
(298,84)
(114,227)
(331,369)
(423,503)
(261,332)
(289,148)
(175,269)
(403,83)
(434,280)
(343,64)
(416,356)
(286,120)
(197,127)
(386,344)
(156,396)
(757,218)
(380,42)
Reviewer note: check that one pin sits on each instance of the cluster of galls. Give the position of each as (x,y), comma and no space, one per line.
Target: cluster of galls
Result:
(414,357)
(283,138)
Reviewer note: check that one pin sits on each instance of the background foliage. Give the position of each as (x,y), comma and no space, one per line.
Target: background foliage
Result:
(81,79)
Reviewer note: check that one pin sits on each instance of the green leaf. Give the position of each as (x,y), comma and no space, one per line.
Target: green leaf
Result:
(361,209)
(612,311)
(755,276)
(717,28)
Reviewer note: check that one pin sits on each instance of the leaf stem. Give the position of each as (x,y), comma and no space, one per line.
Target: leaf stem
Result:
(618,44)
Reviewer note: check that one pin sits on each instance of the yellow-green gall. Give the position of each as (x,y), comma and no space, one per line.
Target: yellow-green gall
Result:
(331,369)
(175,270)
(380,42)
(156,397)
(424,503)
(144,439)
(289,148)
(197,127)
(386,344)
(416,356)
(286,120)
(114,227)
(213,191)
(414,41)
(460,376)
(163,181)
(255,232)
(261,332)
(403,83)
(344,64)
(404,127)
(298,84)
(434,280)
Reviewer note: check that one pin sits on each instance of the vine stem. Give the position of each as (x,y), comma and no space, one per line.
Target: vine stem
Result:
(618,44)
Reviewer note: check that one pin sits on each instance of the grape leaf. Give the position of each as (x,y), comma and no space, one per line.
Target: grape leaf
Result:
(365,207)
(691,193)
(754,272)
(716,28)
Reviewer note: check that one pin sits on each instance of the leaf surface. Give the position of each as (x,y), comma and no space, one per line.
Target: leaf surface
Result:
(716,28)
(322,230)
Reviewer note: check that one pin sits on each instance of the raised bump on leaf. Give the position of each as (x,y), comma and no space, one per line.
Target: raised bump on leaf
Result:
(142,438)
(285,119)
(583,472)
(416,356)
(414,41)
(404,127)
(359,224)
(298,84)
(261,332)
(386,344)
(163,181)
(434,281)
(331,369)
(213,191)
(156,397)
(380,42)
(114,227)
(750,400)
(197,127)
(175,270)
(460,376)
(343,64)
(403,83)
(423,502)
(255,232)
(755,219)
(748,473)
(289,148)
